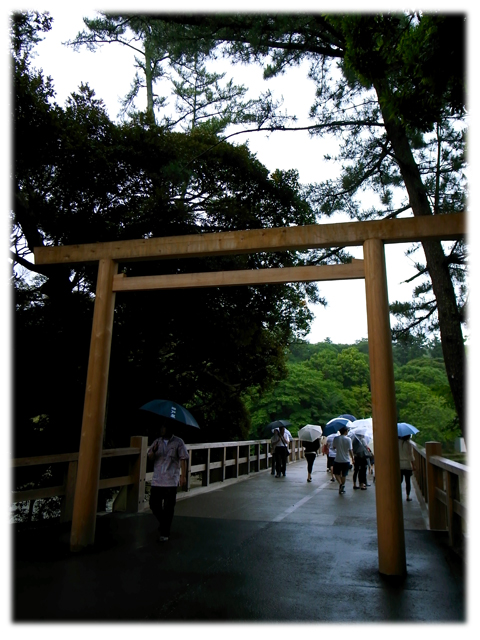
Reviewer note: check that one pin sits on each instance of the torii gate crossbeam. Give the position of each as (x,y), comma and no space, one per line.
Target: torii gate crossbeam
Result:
(372,235)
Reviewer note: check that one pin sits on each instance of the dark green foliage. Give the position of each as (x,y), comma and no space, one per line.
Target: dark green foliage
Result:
(325,380)
(92,180)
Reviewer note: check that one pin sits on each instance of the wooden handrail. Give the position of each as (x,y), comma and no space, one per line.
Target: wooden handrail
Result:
(68,457)
(438,479)
(241,464)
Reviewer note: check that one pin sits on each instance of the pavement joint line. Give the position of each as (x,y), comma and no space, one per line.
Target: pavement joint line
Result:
(301,502)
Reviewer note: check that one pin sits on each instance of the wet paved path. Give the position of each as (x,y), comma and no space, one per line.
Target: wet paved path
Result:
(259,550)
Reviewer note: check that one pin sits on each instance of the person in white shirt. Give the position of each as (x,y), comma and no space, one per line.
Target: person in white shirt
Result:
(344,453)
(169,456)
(280,440)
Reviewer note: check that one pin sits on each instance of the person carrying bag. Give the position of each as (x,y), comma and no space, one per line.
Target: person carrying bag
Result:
(281,451)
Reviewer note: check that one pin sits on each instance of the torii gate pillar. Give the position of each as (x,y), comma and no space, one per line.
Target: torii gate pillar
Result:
(390,531)
(90,453)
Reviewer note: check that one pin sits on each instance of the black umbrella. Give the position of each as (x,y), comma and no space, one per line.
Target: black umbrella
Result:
(171,410)
(276,424)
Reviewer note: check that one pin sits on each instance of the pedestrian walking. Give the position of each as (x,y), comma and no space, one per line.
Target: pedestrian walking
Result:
(361,454)
(331,454)
(342,444)
(169,454)
(280,440)
(407,463)
(311,450)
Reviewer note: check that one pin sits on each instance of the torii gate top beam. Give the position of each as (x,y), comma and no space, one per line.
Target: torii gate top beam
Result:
(347,234)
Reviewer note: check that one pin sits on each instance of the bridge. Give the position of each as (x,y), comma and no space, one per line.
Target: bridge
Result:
(252,548)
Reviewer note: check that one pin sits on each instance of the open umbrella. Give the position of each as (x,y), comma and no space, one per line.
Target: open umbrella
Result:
(335,425)
(276,424)
(361,431)
(348,416)
(310,432)
(171,410)
(405,429)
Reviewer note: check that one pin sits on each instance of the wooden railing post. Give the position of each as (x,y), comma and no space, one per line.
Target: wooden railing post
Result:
(137,471)
(66,513)
(436,510)
(90,453)
(189,471)
(206,478)
(224,458)
(453,494)
(391,535)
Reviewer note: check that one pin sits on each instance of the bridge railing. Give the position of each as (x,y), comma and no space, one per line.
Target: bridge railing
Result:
(443,484)
(211,462)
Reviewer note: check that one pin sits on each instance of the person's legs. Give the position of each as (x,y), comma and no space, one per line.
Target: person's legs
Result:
(362,473)
(169,502)
(310,460)
(356,467)
(283,460)
(339,475)
(332,462)
(162,505)
(278,461)
(156,504)
(408,487)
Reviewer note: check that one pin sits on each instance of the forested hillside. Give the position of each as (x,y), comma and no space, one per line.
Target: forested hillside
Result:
(325,380)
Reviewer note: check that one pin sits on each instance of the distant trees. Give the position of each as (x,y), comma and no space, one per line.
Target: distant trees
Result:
(325,380)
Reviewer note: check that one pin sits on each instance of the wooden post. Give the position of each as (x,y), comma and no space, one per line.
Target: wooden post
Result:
(189,471)
(206,473)
(390,531)
(90,452)
(138,469)
(67,500)
(224,458)
(436,510)
(453,494)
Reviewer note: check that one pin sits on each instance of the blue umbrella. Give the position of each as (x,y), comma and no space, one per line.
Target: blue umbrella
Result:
(405,429)
(341,419)
(348,416)
(335,425)
(172,410)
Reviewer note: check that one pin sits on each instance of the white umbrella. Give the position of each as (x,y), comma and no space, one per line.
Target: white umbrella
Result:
(366,422)
(361,431)
(310,432)
(363,428)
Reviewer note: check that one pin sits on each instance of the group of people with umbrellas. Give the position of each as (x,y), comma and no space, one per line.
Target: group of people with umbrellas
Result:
(347,443)
(169,454)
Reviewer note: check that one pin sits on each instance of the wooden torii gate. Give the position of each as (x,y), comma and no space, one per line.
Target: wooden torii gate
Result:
(371,235)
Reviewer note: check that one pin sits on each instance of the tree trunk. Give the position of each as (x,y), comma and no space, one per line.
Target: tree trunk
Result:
(149,79)
(448,314)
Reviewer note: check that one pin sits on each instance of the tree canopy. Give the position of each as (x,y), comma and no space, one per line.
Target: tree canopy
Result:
(399,115)
(325,380)
(94,180)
